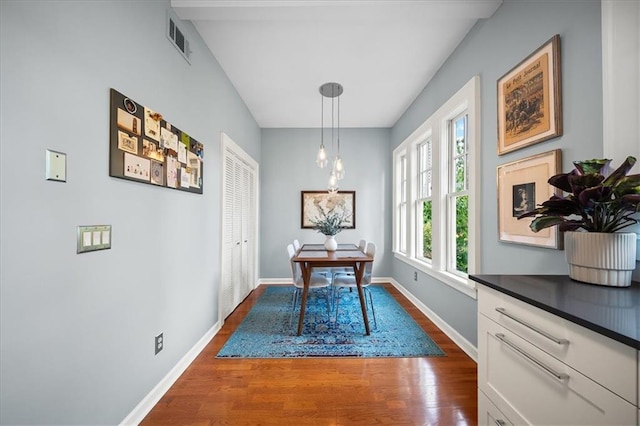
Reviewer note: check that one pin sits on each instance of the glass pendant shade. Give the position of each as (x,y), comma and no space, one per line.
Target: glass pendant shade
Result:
(321,159)
(338,168)
(333,183)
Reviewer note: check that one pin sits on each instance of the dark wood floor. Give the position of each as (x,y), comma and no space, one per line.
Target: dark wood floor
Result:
(322,391)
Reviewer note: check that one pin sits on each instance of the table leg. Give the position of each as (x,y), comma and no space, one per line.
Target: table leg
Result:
(359,269)
(306,276)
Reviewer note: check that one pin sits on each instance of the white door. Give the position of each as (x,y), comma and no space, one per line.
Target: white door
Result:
(239,226)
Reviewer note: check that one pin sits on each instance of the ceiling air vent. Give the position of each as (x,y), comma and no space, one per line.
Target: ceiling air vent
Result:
(177,36)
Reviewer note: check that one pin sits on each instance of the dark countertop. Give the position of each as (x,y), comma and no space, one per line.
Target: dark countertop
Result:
(611,311)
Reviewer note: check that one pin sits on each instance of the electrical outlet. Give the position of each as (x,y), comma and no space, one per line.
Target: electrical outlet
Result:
(159,343)
(415,275)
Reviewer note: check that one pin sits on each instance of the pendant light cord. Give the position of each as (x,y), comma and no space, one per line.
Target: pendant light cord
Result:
(338,125)
(321,120)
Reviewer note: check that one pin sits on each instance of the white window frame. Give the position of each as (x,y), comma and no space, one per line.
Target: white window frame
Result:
(467,99)
(451,193)
(420,199)
(401,197)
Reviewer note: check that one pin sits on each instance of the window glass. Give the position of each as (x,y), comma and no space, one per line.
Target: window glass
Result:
(427,229)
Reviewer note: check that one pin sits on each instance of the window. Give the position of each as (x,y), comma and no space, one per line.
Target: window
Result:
(436,188)
(458,195)
(424,204)
(401,195)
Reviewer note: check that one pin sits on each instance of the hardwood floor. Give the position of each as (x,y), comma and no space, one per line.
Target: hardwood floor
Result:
(322,391)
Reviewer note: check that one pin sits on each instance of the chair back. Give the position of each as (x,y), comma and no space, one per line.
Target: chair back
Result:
(368,267)
(296,245)
(296,272)
(363,245)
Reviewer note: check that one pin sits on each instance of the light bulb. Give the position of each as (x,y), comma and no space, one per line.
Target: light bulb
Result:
(321,159)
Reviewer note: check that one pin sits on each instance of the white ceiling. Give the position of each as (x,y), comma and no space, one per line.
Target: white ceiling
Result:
(278,53)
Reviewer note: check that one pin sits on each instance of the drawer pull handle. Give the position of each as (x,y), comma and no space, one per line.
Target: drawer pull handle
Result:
(500,422)
(545,367)
(533,327)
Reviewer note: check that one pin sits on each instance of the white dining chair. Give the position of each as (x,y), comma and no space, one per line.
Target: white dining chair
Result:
(348,280)
(317,281)
(348,270)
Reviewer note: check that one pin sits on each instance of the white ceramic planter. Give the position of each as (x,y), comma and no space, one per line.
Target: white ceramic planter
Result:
(601,258)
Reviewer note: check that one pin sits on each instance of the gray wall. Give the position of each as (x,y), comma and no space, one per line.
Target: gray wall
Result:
(490,50)
(288,167)
(77,330)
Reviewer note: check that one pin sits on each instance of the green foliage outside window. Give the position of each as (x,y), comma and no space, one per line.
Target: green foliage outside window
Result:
(427,231)
(462,233)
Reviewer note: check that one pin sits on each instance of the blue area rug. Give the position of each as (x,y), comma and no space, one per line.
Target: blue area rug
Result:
(267,333)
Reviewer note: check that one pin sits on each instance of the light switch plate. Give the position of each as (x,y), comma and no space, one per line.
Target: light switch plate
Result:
(56,166)
(92,238)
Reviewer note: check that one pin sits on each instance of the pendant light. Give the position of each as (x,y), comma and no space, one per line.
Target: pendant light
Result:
(332,91)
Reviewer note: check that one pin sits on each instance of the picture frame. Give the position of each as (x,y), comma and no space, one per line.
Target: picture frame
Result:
(530,100)
(522,185)
(313,203)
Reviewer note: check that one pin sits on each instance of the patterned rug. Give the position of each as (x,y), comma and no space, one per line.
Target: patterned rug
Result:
(267,332)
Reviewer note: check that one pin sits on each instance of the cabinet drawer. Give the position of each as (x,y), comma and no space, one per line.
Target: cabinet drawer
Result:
(608,362)
(489,414)
(520,379)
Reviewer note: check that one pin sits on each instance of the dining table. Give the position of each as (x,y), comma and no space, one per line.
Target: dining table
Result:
(311,256)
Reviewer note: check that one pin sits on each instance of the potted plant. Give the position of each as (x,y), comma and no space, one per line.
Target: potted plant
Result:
(599,203)
(329,224)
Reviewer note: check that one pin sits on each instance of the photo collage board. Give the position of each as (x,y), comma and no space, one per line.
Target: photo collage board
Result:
(146,148)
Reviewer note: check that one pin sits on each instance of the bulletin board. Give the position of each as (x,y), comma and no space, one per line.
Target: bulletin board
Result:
(146,148)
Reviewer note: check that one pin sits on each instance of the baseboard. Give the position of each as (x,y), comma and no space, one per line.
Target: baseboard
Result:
(274,281)
(457,338)
(144,407)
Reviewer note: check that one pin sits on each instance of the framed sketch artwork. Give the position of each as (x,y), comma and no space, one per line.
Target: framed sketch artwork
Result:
(315,203)
(530,100)
(522,185)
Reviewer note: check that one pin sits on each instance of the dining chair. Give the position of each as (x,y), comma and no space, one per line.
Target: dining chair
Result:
(317,281)
(296,245)
(348,270)
(348,280)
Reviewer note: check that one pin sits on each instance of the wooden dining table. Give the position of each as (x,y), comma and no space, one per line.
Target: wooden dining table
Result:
(315,256)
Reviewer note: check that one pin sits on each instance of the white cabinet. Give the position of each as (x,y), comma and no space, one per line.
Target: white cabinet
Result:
(489,414)
(539,369)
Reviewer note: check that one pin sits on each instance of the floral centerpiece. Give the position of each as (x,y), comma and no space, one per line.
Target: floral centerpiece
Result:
(329,224)
(599,203)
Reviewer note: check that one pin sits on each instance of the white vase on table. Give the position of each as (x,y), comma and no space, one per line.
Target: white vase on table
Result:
(330,243)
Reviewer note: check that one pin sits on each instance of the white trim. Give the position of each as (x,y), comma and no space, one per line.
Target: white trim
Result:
(274,281)
(463,285)
(145,406)
(457,338)
(467,98)
(148,402)
(621,79)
